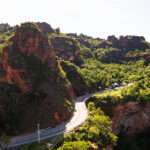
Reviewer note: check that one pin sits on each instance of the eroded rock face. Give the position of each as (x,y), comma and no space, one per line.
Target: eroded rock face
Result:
(131,118)
(28,42)
(31,40)
(129,42)
(32,83)
(66,48)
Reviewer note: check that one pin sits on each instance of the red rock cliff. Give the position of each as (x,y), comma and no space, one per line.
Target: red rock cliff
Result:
(131,118)
(32,82)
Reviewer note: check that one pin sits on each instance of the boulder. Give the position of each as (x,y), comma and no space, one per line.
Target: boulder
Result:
(45,27)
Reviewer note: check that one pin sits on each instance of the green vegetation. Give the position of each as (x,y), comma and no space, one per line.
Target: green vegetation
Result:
(98,74)
(108,55)
(90,64)
(104,65)
(134,92)
(74,76)
(1,48)
(96,130)
(4,40)
(85,52)
(31,88)
(94,134)
(77,145)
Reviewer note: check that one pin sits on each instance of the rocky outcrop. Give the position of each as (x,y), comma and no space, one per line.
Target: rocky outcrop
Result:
(104,44)
(129,42)
(45,27)
(27,42)
(33,85)
(138,55)
(66,48)
(131,118)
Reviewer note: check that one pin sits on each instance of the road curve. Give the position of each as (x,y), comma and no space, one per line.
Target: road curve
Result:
(79,116)
(75,121)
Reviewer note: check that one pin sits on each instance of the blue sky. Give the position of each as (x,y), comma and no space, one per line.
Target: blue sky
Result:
(98,18)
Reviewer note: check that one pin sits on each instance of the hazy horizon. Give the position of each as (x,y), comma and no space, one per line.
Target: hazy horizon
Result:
(96,18)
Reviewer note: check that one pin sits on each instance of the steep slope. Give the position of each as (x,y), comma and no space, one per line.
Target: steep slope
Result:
(73,75)
(131,118)
(33,86)
(66,48)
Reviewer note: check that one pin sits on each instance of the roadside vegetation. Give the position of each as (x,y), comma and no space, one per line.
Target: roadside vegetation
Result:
(95,132)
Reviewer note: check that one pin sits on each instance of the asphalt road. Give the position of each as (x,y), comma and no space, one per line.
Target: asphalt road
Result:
(75,121)
(79,116)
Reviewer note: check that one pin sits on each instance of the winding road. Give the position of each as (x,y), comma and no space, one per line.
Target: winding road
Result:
(79,116)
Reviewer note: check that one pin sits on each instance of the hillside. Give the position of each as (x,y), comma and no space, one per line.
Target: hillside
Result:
(43,69)
(33,86)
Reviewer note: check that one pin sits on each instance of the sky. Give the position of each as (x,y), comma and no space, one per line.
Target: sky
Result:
(97,18)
